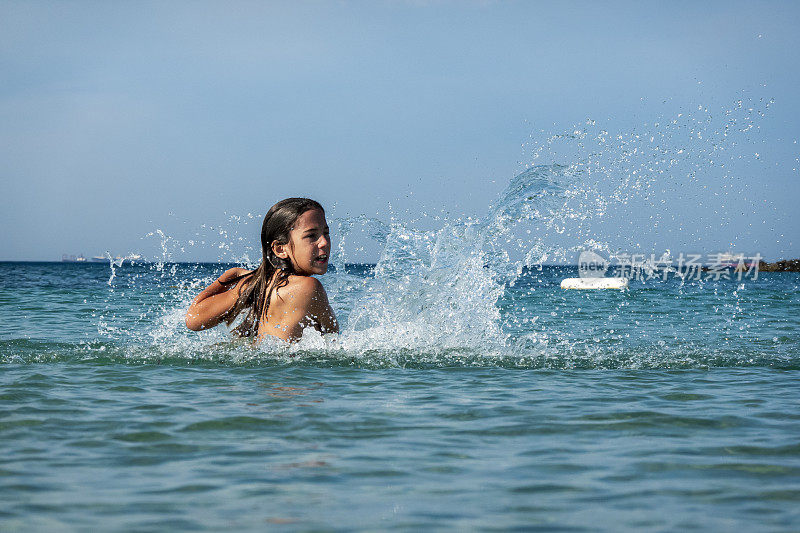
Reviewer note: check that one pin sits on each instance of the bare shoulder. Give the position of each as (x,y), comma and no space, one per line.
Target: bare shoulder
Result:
(306,284)
(302,293)
(300,303)
(302,288)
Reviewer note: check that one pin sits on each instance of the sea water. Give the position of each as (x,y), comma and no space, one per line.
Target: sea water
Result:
(466,389)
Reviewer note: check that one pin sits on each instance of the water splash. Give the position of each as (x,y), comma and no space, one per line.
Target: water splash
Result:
(115,263)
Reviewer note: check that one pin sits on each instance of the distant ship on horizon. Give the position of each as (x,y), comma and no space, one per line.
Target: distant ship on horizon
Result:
(71,258)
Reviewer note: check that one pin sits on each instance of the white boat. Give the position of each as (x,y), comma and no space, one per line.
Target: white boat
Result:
(594,283)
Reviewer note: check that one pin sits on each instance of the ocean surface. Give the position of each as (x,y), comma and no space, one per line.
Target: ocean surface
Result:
(465,391)
(459,395)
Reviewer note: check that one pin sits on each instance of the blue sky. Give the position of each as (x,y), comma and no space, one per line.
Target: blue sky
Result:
(120,119)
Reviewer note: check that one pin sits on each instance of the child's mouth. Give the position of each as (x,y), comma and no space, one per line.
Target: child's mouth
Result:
(321,259)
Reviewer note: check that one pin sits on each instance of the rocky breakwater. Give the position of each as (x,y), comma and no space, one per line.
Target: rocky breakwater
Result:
(785,265)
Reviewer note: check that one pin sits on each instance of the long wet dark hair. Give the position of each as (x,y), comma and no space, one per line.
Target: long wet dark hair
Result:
(273,272)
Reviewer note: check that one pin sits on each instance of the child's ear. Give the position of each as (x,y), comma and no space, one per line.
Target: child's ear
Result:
(280,250)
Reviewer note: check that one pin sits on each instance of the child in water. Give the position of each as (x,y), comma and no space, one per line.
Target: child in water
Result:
(280,297)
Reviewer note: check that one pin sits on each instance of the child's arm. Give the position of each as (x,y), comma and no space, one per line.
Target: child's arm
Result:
(211,306)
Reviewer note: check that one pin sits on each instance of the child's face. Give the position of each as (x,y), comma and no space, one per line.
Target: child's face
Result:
(309,243)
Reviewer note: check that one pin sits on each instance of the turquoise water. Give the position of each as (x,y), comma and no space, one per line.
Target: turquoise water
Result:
(466,389)
(468,399)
